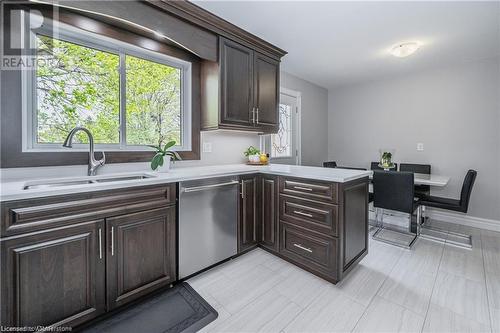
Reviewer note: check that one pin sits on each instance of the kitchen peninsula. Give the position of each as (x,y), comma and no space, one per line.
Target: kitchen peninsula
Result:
(315,218)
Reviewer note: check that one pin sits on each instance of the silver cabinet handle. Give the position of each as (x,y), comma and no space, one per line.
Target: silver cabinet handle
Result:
(112,241)
(303,248)
(303,188)
(243,194)
(207,187)
(100,243)
(302,213)
(257,112)
(253,115)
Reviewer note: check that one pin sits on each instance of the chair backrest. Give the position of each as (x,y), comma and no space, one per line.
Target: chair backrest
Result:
(469,180)
(394,190)
(417,168)
(374,166)
(350,168)
(330,164)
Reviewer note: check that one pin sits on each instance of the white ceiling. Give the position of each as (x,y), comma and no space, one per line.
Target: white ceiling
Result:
(339,43)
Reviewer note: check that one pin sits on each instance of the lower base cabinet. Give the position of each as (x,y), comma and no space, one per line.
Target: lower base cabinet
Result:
(55,277)
(248,227)
(269,212)
(310,250)
(320,226)
(141,254)
(100,250)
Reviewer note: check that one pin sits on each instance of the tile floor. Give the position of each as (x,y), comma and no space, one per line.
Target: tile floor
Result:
(431,288)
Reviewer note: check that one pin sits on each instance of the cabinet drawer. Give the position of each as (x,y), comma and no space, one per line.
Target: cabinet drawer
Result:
(311,250)
(29,215)
(311,189)
(309,214)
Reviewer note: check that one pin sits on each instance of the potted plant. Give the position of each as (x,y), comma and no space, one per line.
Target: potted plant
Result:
(253,154)
(386,160)
(163,156)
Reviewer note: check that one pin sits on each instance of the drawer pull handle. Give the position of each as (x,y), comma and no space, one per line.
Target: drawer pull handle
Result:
(303,188)
(100,243)
(302,213)
(303,248)
(112,241)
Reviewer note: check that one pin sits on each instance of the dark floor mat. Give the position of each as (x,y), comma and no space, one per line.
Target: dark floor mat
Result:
(180,309)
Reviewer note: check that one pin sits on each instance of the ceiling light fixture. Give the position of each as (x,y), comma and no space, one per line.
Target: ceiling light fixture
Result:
(402,50)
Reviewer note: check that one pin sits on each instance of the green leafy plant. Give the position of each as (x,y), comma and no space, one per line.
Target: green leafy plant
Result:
(161,152)
(251,151)
(387,156)
(386,159)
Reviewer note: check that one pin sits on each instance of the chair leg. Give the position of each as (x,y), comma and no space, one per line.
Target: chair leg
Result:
(419,219)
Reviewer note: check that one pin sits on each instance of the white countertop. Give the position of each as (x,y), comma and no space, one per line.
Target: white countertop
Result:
(14,190)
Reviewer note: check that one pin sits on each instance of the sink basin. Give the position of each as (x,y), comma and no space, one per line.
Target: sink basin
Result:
(40,184)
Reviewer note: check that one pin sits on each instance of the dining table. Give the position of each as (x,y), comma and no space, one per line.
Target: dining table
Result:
(428,179)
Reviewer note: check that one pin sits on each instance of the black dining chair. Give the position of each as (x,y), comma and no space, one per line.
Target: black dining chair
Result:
(420,190)
(330,164)
(374,166)
(457,205)
(395,191)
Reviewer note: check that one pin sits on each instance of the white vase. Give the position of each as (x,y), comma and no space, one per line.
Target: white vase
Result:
(166,165)
(254,158)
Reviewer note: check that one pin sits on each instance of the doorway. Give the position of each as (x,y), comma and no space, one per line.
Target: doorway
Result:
(284,146)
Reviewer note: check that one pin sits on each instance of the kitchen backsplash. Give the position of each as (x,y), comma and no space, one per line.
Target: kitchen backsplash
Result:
(226,148)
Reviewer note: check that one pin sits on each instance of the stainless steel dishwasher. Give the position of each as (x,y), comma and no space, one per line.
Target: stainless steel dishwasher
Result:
(208,217)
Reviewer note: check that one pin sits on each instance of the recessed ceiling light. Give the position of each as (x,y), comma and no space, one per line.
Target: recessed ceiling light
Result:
(402,50)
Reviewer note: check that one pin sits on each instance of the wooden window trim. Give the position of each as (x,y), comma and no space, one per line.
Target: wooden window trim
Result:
(12,155)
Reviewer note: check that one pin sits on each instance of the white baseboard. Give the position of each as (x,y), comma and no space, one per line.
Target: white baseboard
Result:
(471,221)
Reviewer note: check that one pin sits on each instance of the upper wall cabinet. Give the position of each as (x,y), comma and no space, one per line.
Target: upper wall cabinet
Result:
(241,92)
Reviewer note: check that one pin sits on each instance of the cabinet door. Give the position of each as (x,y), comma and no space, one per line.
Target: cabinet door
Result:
(141,254)
(266,92)
(268,204)
(247,227)
(236,63)
(54,278)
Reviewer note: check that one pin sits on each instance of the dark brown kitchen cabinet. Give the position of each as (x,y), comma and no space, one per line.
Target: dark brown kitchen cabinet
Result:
(266,92)
(248,213)
(323,226)
(67,259)
(141,254)
(241,92)
(236,84)
(269,212)
(54,278)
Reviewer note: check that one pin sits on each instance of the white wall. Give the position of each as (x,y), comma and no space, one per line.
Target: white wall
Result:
(314,118)
(454,111)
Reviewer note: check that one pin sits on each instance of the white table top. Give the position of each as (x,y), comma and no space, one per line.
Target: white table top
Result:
(431,180)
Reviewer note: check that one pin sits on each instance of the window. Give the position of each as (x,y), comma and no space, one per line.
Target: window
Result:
(128,97)
(281,142)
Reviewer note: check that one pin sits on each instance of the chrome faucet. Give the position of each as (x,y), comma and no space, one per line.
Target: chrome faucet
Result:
(93,163)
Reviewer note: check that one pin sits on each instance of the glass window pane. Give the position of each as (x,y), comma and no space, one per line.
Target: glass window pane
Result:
(153,102)
(281,141)
(76,86)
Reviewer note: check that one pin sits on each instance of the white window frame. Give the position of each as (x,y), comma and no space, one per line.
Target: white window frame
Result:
(74,35)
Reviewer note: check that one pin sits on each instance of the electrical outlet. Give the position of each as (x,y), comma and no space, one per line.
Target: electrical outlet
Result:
(420,146)
(207,147)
